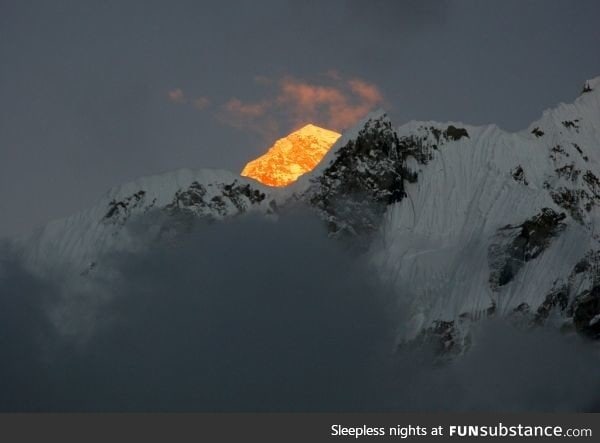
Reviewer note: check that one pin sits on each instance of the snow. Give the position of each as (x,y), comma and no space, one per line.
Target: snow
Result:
(433,245)
(76,241)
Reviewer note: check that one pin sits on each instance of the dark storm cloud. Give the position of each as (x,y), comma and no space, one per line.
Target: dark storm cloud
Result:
(84,86)
(253,315)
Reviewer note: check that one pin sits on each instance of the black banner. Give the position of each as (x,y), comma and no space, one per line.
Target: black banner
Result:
(290,428)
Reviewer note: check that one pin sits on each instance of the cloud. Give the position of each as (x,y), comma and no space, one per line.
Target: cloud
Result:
(294,102)
(290,103)
(255,315)
(245,314)
(369,93)
(339,107)
(177,96)
(507,369)
(256,117)
(200,103)
(246,110)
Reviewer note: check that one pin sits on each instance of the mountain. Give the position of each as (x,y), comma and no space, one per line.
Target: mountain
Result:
(74,243)
(464,222)
(291,156)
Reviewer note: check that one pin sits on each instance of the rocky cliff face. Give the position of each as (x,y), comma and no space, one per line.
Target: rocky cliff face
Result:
(365,177)
(463,222)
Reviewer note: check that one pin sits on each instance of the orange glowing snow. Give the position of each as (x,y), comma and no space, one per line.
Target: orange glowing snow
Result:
(291,156)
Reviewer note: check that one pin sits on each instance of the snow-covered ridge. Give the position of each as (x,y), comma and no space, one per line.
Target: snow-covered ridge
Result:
(75,242)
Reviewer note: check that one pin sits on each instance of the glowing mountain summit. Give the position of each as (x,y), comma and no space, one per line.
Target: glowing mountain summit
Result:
(291,156)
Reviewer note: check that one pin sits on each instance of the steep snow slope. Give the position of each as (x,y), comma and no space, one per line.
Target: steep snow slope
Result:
(476,221)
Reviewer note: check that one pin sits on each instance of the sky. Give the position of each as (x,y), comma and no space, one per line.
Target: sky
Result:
(94,94)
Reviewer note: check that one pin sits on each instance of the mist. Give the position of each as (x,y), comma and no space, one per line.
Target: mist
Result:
(256,315)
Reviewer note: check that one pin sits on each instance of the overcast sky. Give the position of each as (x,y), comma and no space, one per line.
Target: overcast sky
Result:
(93,94)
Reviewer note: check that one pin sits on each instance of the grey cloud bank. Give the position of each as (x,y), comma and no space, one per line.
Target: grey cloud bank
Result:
(250,315)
